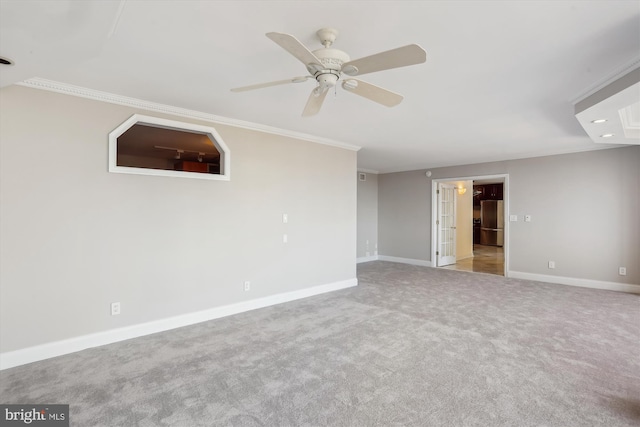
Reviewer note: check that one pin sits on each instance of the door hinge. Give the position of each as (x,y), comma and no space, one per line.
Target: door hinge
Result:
(437,191)
(437,253)
(437,222)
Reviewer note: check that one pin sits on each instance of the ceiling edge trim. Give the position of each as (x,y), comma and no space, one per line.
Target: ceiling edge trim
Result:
(592,147)
(609,92)
(608,79)
(96,95)
(368,171)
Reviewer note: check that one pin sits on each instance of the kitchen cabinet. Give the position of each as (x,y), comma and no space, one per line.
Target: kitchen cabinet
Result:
(487,192)
(493,192)
(478,195)
(184,165)
(476,231)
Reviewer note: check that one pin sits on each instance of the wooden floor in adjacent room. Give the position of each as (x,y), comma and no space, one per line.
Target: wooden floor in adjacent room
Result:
(486,259)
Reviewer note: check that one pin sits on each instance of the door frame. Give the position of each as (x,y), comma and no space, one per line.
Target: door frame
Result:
(434,212)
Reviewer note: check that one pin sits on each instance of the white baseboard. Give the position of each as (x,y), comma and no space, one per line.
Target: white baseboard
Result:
(367,259)
(58,348)
(405,260)
(573,281)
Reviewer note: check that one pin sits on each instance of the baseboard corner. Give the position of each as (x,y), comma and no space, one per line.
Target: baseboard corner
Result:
(367,259)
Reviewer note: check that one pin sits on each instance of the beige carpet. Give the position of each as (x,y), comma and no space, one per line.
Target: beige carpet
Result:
(410,346)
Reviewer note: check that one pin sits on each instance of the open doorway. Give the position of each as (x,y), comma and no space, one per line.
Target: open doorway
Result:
(479,229)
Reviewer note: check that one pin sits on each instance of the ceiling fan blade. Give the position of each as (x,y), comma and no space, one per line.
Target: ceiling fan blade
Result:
(372,92)
(401,57)
(314,102)
(276,83)
(295,48)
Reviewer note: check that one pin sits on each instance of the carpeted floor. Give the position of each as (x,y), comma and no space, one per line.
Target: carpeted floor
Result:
(410,346)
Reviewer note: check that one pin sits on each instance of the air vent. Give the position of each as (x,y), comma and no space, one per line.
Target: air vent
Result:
(362,176)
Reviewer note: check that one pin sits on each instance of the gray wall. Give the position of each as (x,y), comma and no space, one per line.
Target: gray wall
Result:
(76,238)
(584,208)
(404,215)
(367,215)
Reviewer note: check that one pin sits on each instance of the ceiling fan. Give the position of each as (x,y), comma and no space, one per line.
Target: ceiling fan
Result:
(327,65)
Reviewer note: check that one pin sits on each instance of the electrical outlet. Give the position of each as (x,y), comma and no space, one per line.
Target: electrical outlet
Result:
(552,264)
(527,218)
(115,308)
(622,271)
(247,286)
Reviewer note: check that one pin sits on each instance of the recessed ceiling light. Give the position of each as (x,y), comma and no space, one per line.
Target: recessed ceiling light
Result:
(5,61)
(599,121)
(607,135)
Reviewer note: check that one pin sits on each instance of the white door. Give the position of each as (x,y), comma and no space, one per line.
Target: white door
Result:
(446,225)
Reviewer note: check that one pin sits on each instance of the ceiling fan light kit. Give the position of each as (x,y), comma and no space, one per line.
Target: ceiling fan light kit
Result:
(327,65)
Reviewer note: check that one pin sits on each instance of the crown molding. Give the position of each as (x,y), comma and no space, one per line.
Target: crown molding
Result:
(96,95)
(368,171)
(608,79)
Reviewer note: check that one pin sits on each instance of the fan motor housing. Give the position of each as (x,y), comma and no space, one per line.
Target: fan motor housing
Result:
(332,58)
(331,61)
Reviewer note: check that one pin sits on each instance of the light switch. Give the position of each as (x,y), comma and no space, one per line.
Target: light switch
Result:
(285,218)
(513,218)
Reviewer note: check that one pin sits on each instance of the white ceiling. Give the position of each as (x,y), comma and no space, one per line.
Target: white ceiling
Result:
(499,83)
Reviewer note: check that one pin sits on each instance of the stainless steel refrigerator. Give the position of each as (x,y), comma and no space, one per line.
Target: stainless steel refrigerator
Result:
(491,222)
